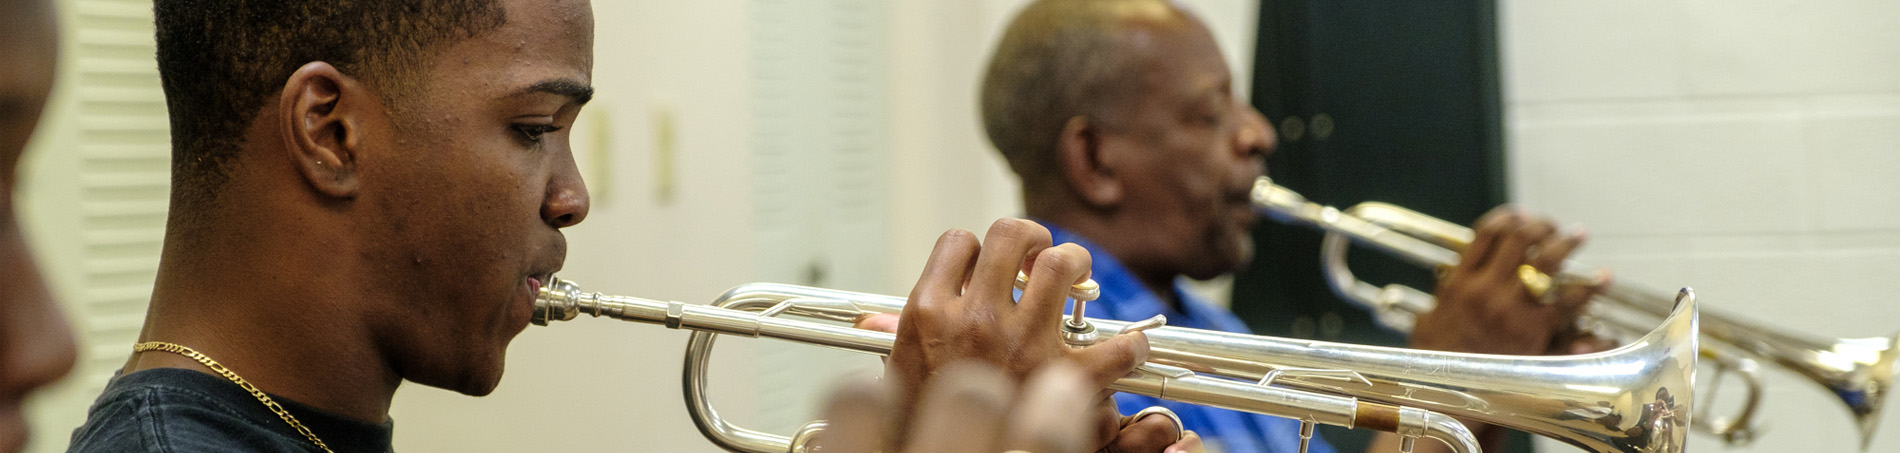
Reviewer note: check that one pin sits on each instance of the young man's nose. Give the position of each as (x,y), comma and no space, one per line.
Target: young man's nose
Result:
(567,202)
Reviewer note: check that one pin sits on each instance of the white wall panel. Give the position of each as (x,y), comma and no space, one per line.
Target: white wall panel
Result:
(1745,148)
(1856,170)
(821,203)
(1765,47)
(1634,50)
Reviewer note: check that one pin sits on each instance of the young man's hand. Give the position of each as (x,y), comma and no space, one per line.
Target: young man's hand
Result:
(963,310)
(973,407)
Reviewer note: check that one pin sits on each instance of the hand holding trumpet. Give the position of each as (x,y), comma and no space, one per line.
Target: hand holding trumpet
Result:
(963,317)
(1499,298)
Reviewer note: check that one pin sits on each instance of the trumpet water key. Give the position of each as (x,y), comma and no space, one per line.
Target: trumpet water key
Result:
(1632,399)
(1858,371)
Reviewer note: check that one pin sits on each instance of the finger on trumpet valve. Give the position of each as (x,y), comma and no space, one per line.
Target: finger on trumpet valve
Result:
(1076,331)
(1088,290)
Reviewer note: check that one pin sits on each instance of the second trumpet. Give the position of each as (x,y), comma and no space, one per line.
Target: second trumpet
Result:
(1859,371)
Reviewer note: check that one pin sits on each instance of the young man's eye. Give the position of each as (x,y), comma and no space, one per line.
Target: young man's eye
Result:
(533,132)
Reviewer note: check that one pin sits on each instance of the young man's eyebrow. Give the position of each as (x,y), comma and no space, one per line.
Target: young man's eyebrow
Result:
(580,93)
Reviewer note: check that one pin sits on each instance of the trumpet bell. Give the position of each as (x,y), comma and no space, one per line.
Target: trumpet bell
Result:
(1864,384)
(1635,398)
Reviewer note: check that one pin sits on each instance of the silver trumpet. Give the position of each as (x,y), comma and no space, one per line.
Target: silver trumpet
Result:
(1624,400)
(1857,370)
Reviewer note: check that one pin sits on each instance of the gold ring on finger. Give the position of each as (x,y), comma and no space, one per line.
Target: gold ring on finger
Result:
(1536,282)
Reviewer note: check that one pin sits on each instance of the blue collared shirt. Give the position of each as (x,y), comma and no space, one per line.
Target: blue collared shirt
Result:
(1125,298)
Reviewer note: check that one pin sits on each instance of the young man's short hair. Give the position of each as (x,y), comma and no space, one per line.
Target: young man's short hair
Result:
(222,60)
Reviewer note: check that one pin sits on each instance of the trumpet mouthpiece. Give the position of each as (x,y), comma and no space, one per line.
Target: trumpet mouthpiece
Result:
(559,300)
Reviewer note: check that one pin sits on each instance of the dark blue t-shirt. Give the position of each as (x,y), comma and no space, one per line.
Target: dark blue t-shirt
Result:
(177,410)
(1125,298)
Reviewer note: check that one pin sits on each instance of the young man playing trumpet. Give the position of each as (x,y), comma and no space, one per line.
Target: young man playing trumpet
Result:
(1120,120)
(369,193)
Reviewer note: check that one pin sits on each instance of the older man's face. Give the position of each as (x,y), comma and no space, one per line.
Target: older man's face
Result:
(35,347)
(1201,149)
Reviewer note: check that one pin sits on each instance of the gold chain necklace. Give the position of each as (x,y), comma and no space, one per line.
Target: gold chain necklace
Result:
(233,376)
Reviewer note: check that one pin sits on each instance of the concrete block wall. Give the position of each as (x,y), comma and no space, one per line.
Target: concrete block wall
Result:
(1750,149)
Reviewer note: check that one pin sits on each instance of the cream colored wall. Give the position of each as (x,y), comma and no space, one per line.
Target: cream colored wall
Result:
(1750,149)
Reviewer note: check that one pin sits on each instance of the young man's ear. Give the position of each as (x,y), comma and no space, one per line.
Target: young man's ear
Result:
(1080,161)
(321,130)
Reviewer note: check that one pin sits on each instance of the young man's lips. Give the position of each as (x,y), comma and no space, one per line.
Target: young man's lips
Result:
(531,287)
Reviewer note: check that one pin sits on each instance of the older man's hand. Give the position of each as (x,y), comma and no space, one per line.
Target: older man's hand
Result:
(1485,307)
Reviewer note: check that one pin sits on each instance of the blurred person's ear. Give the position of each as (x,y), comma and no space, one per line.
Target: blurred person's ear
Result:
(1084,166)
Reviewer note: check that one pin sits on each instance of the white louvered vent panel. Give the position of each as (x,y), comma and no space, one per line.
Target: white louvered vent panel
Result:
(819,81)
(123,144)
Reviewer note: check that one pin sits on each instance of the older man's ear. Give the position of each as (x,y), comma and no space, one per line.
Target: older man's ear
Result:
(1086,165)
